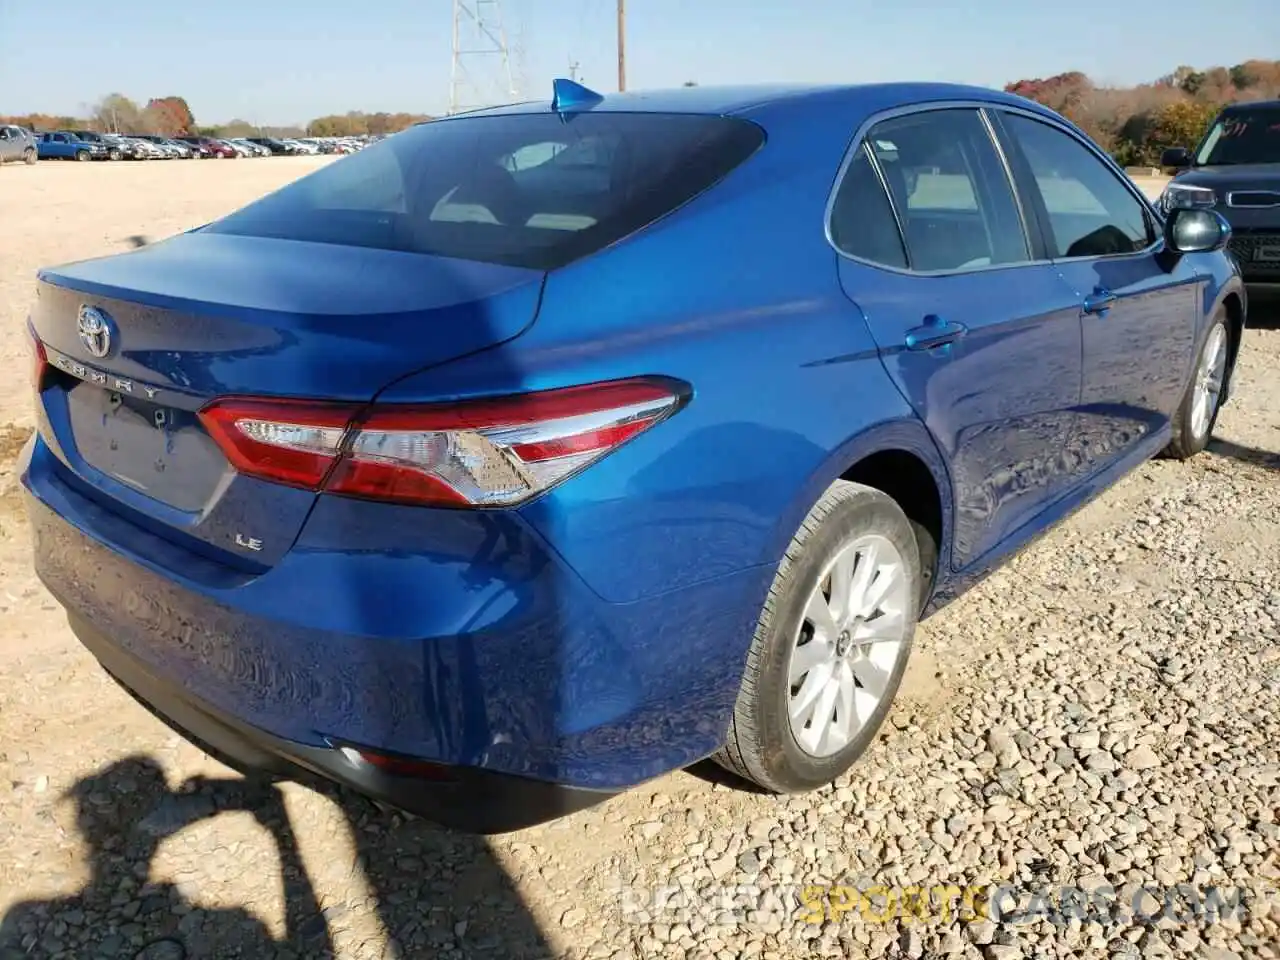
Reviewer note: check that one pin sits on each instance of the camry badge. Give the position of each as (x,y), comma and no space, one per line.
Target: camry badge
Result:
(94,330)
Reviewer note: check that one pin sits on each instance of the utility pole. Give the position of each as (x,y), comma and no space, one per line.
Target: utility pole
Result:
(479,37)
(573,69)
(622,45)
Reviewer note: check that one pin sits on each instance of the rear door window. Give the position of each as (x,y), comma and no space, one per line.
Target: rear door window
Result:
(950,191)
(531,190)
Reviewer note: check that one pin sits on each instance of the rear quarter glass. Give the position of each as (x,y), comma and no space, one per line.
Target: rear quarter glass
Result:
(527,190)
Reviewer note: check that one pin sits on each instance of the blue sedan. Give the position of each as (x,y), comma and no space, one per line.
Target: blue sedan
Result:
(529,454)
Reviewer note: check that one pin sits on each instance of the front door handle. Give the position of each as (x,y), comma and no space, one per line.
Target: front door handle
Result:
(935,332)
(1099,301)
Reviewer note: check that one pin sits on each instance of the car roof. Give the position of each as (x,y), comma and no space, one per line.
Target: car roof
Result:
(738,100)
(1246,105)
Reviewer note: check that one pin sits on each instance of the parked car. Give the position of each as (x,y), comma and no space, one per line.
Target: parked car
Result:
(185,151)
(153,151)
(92,136)
(122,148)
(1236,170)
(247,148)
(210,147)
(63,145)
(171,148)
(198,150)
(17,143)
(301,146)
(277,147)
(362,487)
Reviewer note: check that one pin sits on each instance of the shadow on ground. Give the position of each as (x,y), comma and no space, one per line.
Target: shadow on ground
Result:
(434,891)
(1264,311)
(1236,451)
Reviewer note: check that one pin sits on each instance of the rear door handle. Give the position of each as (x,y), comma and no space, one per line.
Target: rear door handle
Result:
(935,332)
(1099,301)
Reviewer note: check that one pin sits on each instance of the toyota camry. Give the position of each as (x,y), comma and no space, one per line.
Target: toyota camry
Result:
(529,454)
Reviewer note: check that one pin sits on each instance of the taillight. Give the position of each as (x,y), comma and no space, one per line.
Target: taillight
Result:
(399,766)
(496,452)
(39,360)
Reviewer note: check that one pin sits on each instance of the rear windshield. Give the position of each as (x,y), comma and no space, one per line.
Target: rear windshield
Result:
(531,190)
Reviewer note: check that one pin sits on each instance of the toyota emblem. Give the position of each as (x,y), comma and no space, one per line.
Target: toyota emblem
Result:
(95,331)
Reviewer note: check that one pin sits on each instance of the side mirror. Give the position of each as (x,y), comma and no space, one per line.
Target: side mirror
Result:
(1196,230)
(1177,157)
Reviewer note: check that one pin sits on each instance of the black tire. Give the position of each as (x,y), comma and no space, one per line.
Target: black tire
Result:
(761,746)
(1187,442)
(82,155)
(29,156)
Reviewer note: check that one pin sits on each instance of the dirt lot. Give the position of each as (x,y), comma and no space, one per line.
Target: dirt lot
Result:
(1100,713)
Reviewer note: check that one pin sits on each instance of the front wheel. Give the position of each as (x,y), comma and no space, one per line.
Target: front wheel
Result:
(1194,420)
(82,155)
(29,156)
(831,645)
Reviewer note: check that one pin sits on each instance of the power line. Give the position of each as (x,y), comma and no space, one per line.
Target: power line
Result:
(481,73)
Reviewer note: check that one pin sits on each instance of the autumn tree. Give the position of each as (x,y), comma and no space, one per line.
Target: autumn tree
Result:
(169,116)
(285,131)
(116,113)
(1137,123)
(238,128)
(1257,79)
(1179,125)
(357,124)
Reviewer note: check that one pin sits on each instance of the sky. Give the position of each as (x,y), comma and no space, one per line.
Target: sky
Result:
(287,61)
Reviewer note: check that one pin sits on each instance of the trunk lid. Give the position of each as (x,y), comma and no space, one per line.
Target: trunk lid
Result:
(138,343)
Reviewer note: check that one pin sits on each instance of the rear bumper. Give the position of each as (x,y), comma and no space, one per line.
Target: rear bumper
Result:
(471,800)
(451,636)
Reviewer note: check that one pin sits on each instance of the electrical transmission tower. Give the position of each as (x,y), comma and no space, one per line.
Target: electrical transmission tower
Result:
(481,74)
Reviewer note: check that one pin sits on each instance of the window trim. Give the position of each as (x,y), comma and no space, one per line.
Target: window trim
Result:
(1033,228)
(859,142)
(1049,241)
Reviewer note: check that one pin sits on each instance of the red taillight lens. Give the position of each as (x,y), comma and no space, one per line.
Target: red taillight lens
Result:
(39,359)
(497,452)
(288,442)
(399,766)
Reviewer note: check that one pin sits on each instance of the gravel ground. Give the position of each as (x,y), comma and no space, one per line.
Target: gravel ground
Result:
(1099,716)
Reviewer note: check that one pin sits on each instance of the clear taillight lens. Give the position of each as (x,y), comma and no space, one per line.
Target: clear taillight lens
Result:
(497,452)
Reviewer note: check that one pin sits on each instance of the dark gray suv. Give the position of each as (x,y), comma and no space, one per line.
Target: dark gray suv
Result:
(17,143)
(1236,170)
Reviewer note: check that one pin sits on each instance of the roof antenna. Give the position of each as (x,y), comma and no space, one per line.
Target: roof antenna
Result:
(569,95)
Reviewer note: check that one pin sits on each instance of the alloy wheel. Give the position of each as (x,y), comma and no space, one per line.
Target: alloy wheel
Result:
(1209,377)
(847,645)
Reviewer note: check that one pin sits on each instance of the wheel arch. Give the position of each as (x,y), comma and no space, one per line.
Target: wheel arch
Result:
(901,459)
(1232,301)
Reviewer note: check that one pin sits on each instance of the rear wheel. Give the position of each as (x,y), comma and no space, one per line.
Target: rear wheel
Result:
(1196,416)
(831,645)
(82,155)
(113,155)
(29,155)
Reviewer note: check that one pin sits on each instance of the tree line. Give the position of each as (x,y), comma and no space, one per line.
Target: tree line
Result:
(1136,124)
(172,117)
